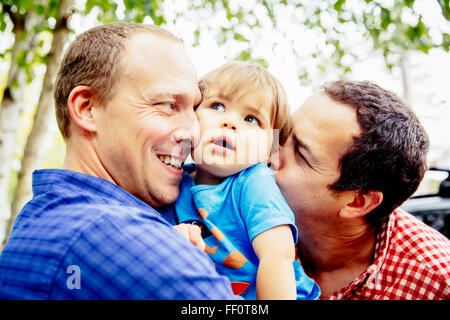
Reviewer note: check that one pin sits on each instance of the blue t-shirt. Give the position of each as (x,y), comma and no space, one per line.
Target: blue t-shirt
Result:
(231,215)
(82,237)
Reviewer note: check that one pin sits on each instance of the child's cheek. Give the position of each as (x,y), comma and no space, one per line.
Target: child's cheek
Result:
(255,145)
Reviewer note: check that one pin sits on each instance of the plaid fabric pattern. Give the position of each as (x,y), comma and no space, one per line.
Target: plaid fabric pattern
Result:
(411,262)
(121,247)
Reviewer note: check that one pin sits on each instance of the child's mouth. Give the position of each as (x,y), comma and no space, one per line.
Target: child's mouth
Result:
(223,142)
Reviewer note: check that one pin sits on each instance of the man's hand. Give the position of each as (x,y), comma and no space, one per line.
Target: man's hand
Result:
(192,233)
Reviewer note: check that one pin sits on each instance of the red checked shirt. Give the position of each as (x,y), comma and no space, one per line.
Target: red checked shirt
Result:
(412,261)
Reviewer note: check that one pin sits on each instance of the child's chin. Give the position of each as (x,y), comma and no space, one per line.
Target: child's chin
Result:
(224,170)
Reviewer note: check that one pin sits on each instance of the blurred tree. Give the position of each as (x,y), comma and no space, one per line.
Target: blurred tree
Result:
(33,149)
(392,27)
(27,23)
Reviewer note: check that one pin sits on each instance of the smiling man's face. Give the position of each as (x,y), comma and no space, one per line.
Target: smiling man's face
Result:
(147,129)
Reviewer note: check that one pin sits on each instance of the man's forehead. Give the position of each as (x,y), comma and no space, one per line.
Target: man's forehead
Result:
(328,114)
(160,72)
(146,49)
(325,126)
(143,39)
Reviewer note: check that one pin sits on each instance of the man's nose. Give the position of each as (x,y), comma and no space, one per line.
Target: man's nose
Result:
(188,132)
(274,160)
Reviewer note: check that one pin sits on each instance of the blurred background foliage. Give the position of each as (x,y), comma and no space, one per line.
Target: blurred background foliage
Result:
(325,40)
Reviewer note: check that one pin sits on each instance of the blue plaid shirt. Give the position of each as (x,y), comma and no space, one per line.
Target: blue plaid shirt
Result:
(82,237)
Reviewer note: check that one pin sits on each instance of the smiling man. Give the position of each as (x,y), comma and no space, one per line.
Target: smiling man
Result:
(125,97)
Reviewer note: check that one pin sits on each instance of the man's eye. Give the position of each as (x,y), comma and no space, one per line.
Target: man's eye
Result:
(218,106)
(299,154)
(169,105)
(301,158)
(252,120)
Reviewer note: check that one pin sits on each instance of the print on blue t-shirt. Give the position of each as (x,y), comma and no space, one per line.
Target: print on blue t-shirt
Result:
(231,215)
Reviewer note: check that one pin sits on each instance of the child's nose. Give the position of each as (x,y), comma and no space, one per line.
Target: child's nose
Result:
(228,125)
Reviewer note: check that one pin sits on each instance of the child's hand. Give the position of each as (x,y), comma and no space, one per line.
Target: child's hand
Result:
(192,233)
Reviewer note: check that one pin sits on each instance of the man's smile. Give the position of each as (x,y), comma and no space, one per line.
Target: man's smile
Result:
(176,163)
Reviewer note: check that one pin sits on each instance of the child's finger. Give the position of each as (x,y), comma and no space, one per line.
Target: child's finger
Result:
(183,229)
(195,235)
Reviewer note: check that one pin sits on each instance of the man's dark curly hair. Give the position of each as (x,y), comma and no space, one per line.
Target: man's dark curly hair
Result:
(390,153)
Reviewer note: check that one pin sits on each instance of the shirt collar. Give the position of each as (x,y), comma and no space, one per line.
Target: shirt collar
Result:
(73,181)
(384,234)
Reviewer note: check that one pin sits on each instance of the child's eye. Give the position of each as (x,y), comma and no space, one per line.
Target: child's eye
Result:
(218,106)
(252,120)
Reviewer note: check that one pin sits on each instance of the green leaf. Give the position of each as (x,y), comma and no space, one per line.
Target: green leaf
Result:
(445,8)
(21,58)
(375,34)
(196,38)
(338,5)
(385,18)
(246,55)
(240,37)
(53,8)
(40,9)
(30,73)
(445,41)
(3,24)
(408,3)
(25,4)
(304,78)
(90,4)
(15,84)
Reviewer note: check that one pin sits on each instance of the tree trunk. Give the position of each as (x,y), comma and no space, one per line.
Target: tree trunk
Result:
(404,67)
(33,149)
(12,105)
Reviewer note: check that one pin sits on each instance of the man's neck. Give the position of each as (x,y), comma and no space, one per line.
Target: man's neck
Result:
(334,258)
(82,158)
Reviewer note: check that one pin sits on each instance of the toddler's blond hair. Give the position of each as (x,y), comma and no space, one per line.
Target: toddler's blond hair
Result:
(236,78)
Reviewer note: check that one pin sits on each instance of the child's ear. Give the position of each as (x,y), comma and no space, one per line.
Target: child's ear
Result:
(81,103)
(361,203)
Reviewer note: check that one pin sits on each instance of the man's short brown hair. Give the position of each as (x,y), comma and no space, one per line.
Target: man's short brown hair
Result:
(93,60)
(390,153)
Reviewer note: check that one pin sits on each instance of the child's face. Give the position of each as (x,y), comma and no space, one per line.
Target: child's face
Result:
(236,133)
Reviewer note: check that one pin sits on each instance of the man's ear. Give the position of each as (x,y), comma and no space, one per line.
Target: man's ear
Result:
(80,103)
(361,203)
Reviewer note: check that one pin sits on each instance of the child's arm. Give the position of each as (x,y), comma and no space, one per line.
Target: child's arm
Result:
(276,252)
(192,233)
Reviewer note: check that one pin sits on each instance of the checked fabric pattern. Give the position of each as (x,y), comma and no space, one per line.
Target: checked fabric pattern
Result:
(122,247)
(412,262)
